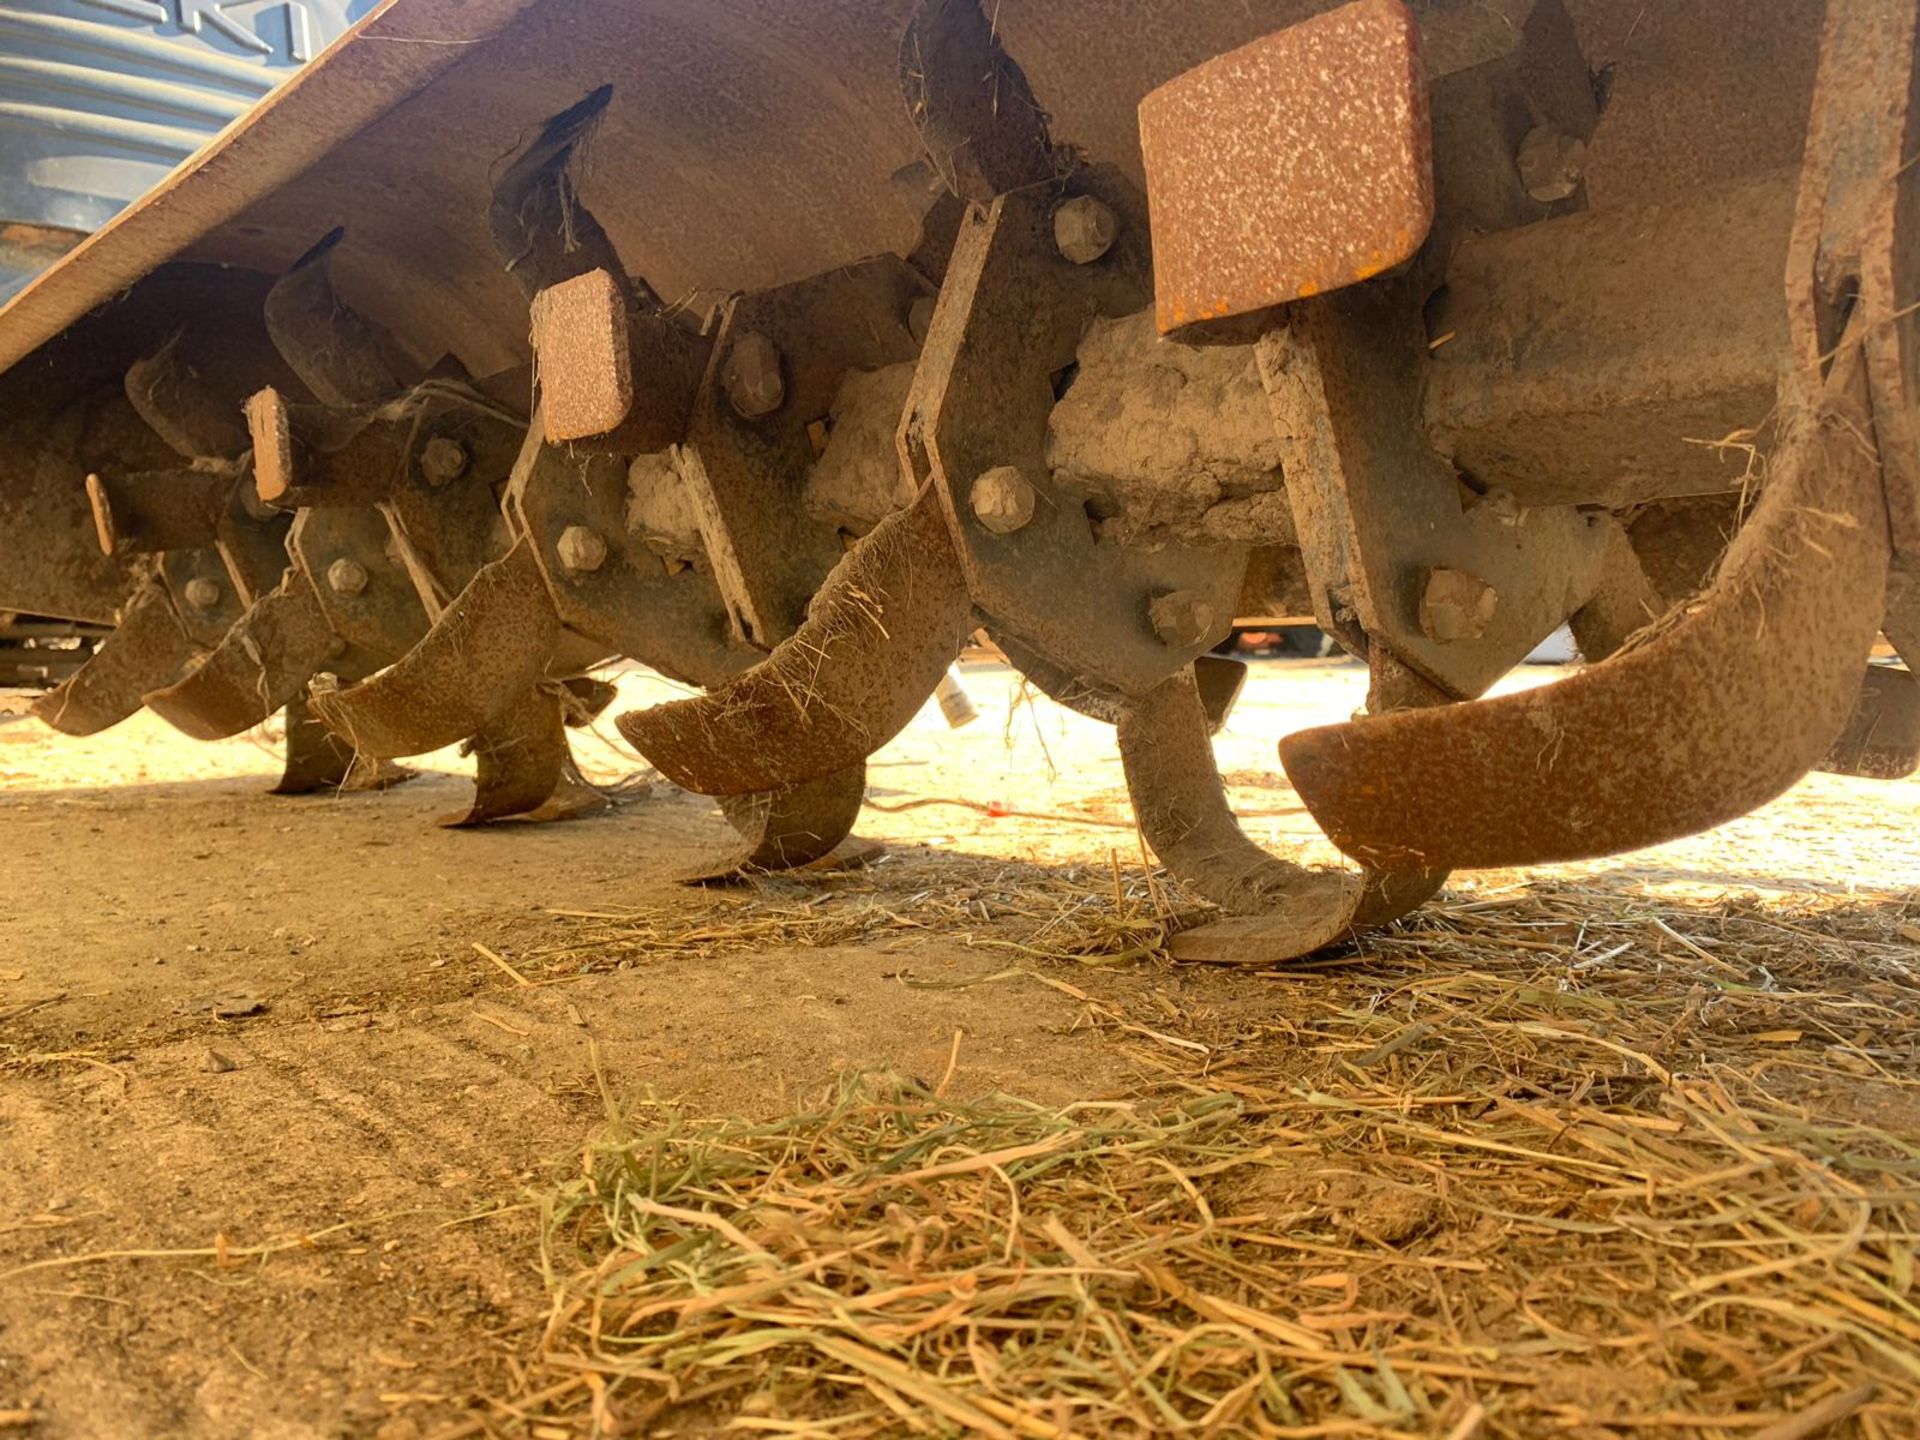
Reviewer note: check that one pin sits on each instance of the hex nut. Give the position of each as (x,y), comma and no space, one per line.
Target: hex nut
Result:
(1182,619)
(1456,606)
(346,577)
(443,459)
(752,376)
(202,593)
(581,550)
(1002,499)
(1551,164)
(1084,228)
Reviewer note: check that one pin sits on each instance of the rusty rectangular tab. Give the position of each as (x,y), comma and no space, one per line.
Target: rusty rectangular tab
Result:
(1291,166)
(585,357)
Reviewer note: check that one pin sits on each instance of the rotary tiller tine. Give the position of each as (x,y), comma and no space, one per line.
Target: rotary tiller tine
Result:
(148,649)
(1713,715)
(1277,911)
(876,641)
(318,760)
(519,757)
(345,358)
(790,827)
(264,660)
(1882,738)
(481,656)
(540,230)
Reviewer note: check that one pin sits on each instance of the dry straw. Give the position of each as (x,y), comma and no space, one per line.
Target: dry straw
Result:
(1547,1162)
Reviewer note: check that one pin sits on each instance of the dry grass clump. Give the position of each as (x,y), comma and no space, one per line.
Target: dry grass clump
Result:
(1089,913)
(1551,1161)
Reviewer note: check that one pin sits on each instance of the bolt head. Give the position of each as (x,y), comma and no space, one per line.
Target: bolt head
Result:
(752,376)
(1550,164)
(1002,499)
(920,319)
(1084,228)
(346,577)
(442,460)
(581,550)
(1456,606)
(1182,619)
(202,593)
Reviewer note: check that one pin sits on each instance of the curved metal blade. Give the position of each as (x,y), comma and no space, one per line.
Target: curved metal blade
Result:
(317,759)
(271,651)
(147,649)
(519,757)
(782,829)
(1281,910)
(480,657)
(1699,722)
(876,641)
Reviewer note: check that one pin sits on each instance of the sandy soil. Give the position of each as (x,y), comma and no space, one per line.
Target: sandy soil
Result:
(232,1021)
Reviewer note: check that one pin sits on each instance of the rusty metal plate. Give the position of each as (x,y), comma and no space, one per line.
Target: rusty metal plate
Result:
(1717,713)
(1010,318)
(205,599)
(746,474)
(878,638)
(630,601)
(1379,512)
(1289,167)
(366,594)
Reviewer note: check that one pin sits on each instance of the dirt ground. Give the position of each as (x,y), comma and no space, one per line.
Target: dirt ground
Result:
(260,1084)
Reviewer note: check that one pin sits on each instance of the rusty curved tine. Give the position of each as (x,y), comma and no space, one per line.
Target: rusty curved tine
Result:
(785,828)
(882,631)
(1277,910)
(147,649)
(343,357)
(270,653)
(520,755)
(1882,738)
(539,228)
(480,658)
(317,759)
(1702,720)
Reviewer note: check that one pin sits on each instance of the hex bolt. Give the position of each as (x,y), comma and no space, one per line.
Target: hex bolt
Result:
(920,319)
(1551,164)
(1182,619)
(202,593)
(346,577)
(1084,229)
(1456,606)
(581,550)
(442,460)
(1002,499)
(752,376)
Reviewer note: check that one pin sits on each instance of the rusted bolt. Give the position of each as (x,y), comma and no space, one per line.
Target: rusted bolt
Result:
(920,319)
(1002,499)
(1456,606)
(1550,164)
(752,376)
(1181,619)
(443,459)
(1084,229)
(202,593)
(581,550)
(346,577)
